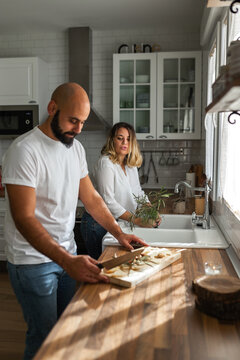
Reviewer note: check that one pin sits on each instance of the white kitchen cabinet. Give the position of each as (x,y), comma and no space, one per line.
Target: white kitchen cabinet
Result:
(179,95)
(24,81)
(2,241)
(134,92)
(159,94)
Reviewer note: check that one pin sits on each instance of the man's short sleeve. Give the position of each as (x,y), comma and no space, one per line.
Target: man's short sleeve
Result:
(19,167)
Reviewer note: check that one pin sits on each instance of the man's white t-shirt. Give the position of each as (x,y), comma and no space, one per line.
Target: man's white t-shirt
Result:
(117,188)
(54,171)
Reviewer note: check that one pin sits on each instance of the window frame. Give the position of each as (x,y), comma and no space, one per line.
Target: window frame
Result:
(214,42)
(227,221)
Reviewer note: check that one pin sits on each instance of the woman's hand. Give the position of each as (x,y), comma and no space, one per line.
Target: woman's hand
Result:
(149,224)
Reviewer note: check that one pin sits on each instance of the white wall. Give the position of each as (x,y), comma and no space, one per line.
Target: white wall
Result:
(53,48)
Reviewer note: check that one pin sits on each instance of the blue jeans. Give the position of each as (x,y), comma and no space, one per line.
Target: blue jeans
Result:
(43,291)
(92,234)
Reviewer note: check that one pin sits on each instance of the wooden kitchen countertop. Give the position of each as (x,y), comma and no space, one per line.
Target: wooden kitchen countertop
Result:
(157,319)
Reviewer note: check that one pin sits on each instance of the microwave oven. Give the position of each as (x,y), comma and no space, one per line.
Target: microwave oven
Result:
(15,120)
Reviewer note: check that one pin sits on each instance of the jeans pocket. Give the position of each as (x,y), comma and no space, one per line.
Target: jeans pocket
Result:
(39,280)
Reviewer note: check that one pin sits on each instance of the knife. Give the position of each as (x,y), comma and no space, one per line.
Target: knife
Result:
(109,264)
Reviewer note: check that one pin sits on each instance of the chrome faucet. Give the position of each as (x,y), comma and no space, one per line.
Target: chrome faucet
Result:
(199,219)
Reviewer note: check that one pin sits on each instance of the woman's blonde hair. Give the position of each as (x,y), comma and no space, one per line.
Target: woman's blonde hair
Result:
(134,157)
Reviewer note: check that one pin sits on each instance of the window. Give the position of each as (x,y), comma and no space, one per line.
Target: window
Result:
(230,165)
(229,140)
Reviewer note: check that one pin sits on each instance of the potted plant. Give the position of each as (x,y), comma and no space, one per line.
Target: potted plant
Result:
(149,211)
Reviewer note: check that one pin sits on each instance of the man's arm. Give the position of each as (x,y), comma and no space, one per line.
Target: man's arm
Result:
(22,203)
(95,205)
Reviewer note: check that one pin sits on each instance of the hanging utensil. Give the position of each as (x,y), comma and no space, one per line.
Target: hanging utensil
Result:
(162,160)
(143,178)
(148,171)
(169,159)
(142,166)
(176,160)
(154,168)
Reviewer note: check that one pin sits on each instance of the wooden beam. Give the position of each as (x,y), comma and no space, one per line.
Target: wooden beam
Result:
(218,3)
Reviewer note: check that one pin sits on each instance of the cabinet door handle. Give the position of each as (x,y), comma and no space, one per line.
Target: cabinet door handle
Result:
(32,102)
(162,136)
(149,137)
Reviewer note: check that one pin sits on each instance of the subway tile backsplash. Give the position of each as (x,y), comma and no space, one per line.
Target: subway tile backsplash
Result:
(169,171)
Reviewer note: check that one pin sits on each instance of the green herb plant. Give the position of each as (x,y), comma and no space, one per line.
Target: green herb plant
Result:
(149,212)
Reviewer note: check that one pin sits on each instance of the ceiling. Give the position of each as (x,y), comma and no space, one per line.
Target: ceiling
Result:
(57,15)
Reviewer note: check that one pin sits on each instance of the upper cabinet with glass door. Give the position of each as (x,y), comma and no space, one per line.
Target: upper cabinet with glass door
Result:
(134,92)
(179,95)
(159,94)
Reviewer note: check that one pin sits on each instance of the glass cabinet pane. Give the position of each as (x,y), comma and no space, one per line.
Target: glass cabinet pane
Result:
(126,96)
(127,116)
(170,121)
(187,121)
(142,71)
(142,121)
(187,96)
(187,70)
(126,71)
(170,70)
(142,96)
(170,96)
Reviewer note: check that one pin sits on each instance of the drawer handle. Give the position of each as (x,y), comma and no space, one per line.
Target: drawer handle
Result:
(149,137)
(162,136)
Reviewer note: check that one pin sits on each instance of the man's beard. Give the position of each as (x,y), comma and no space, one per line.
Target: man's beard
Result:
(59,134)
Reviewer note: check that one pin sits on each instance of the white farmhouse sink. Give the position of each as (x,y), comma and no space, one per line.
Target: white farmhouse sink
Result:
(176,222)
(175,231)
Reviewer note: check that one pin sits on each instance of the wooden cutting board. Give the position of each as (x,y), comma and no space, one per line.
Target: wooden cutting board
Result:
(134,277)
(217,287)
(218,296)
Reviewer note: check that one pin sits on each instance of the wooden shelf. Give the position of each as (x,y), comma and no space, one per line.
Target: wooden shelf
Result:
(229,100)
(218,3)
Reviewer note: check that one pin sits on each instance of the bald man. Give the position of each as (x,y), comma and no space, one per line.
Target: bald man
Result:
(45,172)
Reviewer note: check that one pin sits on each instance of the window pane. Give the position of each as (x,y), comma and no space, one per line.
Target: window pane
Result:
(230,171)
(229,144)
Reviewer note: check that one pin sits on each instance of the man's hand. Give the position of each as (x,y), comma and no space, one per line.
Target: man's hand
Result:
(126,239)
(83,268)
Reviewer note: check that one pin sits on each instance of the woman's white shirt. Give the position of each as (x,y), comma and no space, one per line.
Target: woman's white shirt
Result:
(117,188)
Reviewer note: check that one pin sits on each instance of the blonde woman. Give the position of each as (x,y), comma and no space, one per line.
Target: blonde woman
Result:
(116,179)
